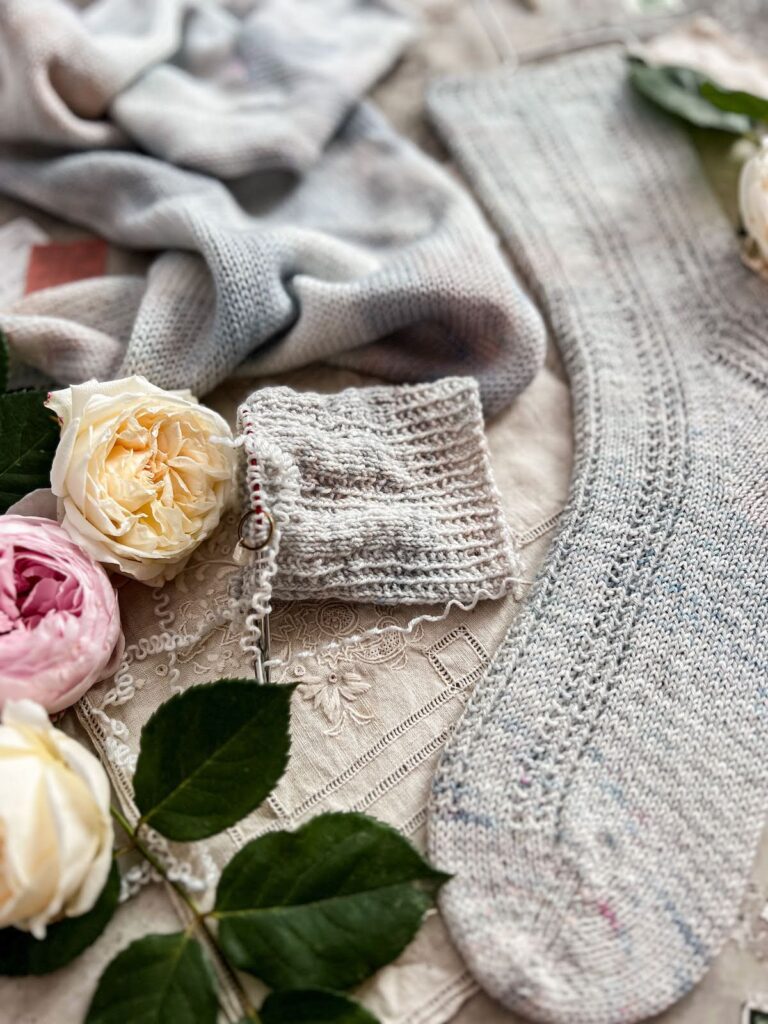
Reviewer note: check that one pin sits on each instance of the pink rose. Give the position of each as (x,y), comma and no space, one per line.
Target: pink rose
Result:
(59,618)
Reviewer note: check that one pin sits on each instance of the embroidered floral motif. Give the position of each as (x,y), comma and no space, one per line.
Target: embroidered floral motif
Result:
(309,626)
(334,696)
(335,619)
(333,692)
(389,647)
(217,651)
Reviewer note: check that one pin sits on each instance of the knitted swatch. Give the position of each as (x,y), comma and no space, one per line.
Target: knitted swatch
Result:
(395,503)
(601,802)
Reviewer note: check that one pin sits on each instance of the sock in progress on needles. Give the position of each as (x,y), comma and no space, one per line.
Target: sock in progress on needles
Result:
(393,500)
(601,802)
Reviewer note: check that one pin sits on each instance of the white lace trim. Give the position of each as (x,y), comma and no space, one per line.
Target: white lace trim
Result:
(177,870)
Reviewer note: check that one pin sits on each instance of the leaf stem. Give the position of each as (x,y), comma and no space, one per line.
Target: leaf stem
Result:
(198,916)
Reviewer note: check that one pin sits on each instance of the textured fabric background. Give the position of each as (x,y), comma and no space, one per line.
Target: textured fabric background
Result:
(374,761)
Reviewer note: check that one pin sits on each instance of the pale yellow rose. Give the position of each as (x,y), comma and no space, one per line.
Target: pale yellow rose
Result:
(753,200)
(55,825)
(141,475)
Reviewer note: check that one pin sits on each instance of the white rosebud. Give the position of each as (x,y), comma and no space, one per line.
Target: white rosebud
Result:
(55,825)
(753,199)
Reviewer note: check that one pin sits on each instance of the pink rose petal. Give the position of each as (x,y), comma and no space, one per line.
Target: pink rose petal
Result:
(59,617)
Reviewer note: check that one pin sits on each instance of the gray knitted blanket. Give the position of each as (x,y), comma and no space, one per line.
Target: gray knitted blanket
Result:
(600,803)
(291,224)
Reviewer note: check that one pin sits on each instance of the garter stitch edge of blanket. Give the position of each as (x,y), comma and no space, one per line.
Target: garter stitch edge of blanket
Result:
(601,802)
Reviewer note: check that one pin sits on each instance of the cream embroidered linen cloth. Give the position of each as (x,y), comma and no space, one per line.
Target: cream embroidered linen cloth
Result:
(368,723)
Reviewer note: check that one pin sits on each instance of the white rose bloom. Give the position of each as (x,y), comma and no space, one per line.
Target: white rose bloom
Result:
(753,198)
(55,826)
(141,475)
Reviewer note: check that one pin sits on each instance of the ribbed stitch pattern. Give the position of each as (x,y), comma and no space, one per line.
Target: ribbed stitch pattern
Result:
(396,502)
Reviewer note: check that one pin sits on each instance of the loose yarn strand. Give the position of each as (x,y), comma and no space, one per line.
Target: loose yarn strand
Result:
(373,631)
(253,593)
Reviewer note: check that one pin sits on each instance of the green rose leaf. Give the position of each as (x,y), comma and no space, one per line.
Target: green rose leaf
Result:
(313,1006)
(746,103)
(21,953)
(325,906)
(156,980)
(29,434)
(679,91)
(211,755)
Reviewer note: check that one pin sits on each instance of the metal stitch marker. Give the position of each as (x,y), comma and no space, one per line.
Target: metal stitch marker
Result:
(260,666)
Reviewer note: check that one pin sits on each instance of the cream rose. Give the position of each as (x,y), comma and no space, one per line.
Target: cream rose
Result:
(55,825)
(141,474)
(753,199)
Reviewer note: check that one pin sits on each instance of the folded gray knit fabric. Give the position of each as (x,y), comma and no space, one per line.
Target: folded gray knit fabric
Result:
(395,502)
(601,802)
(333,238)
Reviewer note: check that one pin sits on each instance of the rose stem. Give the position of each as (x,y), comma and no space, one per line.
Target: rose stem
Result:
(200,918)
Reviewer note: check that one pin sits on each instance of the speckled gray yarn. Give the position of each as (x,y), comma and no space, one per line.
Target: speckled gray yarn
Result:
(395,502)
(291,223)
(601,802)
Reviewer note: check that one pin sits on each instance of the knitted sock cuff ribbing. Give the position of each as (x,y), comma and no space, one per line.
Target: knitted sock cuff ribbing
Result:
(396,502)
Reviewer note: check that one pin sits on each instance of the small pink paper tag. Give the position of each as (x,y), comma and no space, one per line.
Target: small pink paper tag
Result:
(63,262)
(17,238)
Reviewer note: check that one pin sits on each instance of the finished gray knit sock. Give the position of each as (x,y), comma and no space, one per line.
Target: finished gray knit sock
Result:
(601,802)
